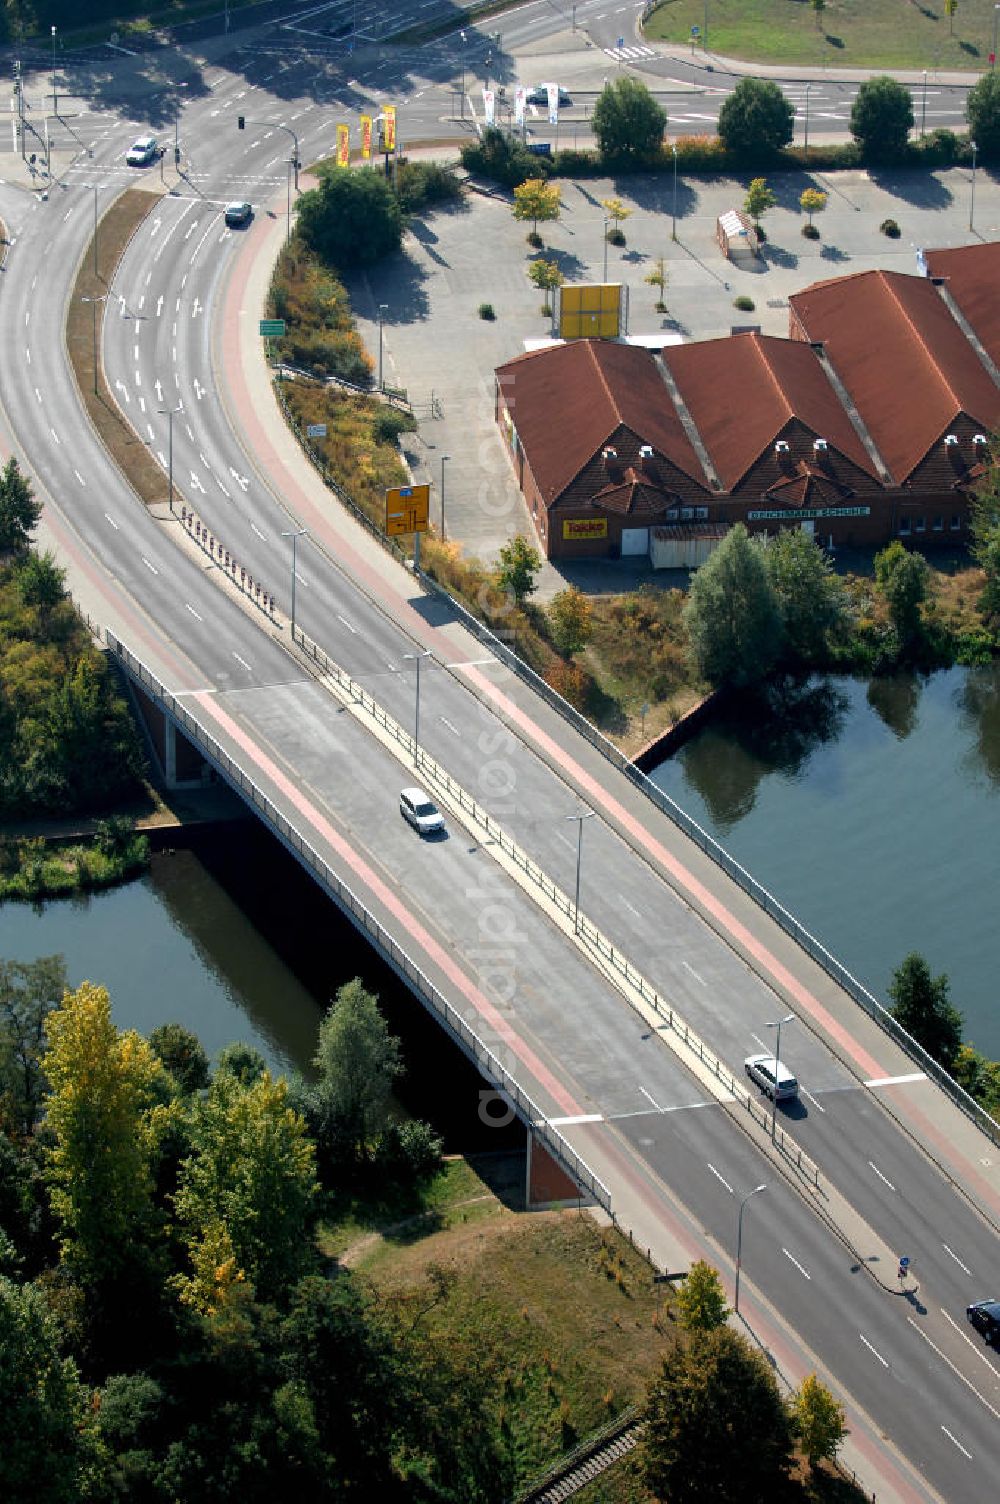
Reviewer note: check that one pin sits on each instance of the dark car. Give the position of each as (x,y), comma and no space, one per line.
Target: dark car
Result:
(238,213)
(540,95)
(985,1317)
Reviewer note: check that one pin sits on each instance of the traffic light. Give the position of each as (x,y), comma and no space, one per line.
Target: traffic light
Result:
(241,121)
(177,156)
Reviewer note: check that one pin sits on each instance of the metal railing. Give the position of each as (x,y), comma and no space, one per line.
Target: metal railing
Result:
(718,854)
(585,929)
(348,901)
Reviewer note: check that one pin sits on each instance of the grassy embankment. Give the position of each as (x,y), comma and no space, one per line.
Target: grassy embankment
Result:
(845,34)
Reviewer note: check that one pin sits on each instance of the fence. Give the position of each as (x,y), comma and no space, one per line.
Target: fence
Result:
(718,854)
(584,928)
(476,1049)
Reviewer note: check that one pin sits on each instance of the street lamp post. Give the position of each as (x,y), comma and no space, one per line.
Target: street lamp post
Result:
(673,231)
(788,1018)
(993,54)
(93,303)
(605,277)
(923,108)
(579,818)
(444,457)
(168,412)
(739,1243)
(55,106)
(805,147)
(288,204)
(972,201)
(416,657)
(383,308)
(295,534)
(464,40)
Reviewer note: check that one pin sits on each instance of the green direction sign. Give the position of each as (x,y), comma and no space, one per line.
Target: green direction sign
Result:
(272,326)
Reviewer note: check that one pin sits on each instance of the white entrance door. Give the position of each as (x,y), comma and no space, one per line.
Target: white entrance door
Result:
(635,540)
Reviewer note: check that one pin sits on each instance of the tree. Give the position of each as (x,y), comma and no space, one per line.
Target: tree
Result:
(950,7)
(982,110)
(547,277)
(756,119)
(732,615)
(41,582)
(810,595)
(29,990)
(715,1424)
(104,1118)
(701,1300)
(350,218)
(759,199)
(920,1003)
(882,118)
(358,1060)
(820,1423)
(536,200)
(518,565)
(985,528)
(19,511)
(570,621)
(245,1194)
(627,121)
(658,278)
(242,1060)
(812,201)
(902,577)
(618,212)
(48,1438)
(183,1055)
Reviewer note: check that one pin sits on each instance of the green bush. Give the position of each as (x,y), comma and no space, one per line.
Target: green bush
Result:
(327,352)
(419,184)
(487,312)
(502,159)
(744,304)
(573,163)
(891,228)
(390,422)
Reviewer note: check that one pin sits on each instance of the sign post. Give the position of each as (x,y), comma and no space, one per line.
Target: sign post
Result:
(407,510)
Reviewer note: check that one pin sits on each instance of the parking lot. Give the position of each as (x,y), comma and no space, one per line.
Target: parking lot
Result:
(438,348)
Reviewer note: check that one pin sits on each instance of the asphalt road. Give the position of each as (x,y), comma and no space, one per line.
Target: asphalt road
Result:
(910,1365)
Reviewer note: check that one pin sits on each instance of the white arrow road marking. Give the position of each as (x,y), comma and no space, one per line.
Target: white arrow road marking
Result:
(158,389)
(199,390)
(241,480)
(142,404)
(149,430)
(151,567)
(162,458)
(55,435)
(204,460)
(190,434)
(155,226)
(195,308)
(159,305)
(38,394)
(244,663)
(119,387)
(196,483)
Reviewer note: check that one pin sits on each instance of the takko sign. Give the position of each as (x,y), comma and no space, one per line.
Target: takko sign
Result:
(585,527)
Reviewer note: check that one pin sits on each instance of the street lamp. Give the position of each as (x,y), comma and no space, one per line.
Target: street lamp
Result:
(739,1243)
(805,148)
(993,54)
(295,534)
(673,232)
(972,201)
(443,458)
(94,302)
(580,817)
(168,412)
(923,108)
(416,657)
(55,107)
(383,308)
(464,40)
(605,277)
(788,1018)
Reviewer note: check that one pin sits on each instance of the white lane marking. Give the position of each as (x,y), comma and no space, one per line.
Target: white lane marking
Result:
(957,1443)
(244,662)
(190,608)
(650,1099)
(896,1080)
(142,299)
(818,1105)
(565,840)
(55,435)
(630,906)
(584,1117)
(135,352)
(196,483)
(953,1255)
(27,354)
(38,394)
(190,432)
(955,1370)
(255,529)
(352,629)
(757,1040)
(722,1180)
(969,1342)
(142,404)
(112,521)
(204,460)
(445,721)
(151,567)
(159,305)
(27,317)
(149,430)
(881,1177)
(793,1260)
(83,483)
(874,1350)
(227,495)
(694,973)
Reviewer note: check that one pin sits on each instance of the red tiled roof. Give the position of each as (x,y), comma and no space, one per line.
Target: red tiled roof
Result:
(908,367)
(972,277)
(742,391)
(568,401)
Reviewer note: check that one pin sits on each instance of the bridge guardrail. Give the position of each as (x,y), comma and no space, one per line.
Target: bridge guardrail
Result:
(584,927)
(722,858)
(346,899)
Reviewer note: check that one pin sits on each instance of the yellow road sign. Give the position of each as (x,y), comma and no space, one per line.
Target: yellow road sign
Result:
(407,510)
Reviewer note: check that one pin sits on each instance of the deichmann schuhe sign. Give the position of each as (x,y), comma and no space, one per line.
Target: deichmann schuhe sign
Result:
(806,514)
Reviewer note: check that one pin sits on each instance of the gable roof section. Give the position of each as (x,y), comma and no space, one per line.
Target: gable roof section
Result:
(904,360)
(972,277)
(567,401)
(742,390)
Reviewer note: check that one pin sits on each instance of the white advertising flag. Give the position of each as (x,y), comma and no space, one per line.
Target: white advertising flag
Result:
(489,105)
(553,93)
(520,99)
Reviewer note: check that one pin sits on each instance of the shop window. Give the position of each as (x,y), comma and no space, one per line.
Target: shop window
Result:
(701,513)
(956,522)
(687,513)
(920,524)
(904,527)
(938,524)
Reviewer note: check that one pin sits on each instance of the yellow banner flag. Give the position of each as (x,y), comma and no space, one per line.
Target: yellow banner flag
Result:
(366,138)
(389,111)
(343,146)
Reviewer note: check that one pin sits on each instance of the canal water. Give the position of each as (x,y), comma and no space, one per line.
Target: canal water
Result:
(872,811)
(230,938)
